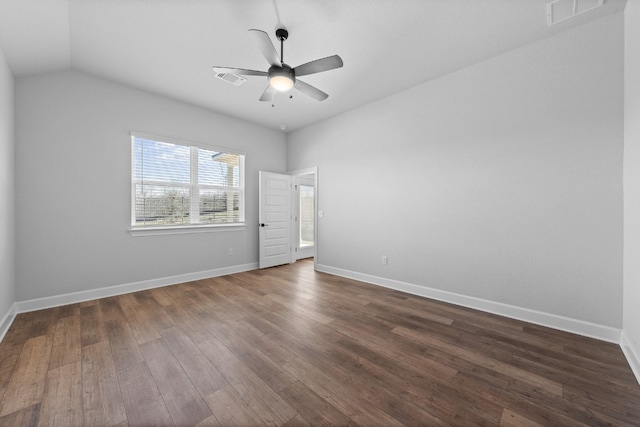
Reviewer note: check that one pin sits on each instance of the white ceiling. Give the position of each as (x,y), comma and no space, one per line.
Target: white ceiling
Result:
(169,46)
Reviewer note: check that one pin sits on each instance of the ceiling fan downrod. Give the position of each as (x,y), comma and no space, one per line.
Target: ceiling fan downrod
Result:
(282,35)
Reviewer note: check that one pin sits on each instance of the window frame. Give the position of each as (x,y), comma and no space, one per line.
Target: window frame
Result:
(194,188)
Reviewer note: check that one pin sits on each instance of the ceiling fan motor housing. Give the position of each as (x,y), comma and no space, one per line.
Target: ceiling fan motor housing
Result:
(281,78)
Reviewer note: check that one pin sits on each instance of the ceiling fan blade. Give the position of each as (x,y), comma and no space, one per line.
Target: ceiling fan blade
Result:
(239,71)
(268,94)
(266,47)
(311,91)
(324,64)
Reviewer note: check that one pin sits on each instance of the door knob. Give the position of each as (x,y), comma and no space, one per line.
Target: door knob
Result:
(264,225)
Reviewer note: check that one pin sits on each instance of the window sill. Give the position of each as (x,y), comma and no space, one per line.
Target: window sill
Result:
(184,229)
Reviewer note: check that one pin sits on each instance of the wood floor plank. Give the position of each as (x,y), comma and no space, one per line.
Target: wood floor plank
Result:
(238,298)
(26,417)
(26,386)
(40,322)
(269,406)
(597,351)
(504,341)
(575,376)
(202,297)
(142,399)
(211,421)
(308,343)
(533,403)
(92,325)
(230,409)
(204,376)
(394,400)
(511,419)
(10,349)
(340,394)
(268,370)
(67,341)
(297,421)
(161,296)
(68,310)
(313,408)
(621,407)
(465,314)
(62,400)
(481,360)
(142,330)
(403,353)
(301,310)
(102,402)
(183,401)
(124,347)
(429,393)
(613,420)
(188,322)
(153,312)
(271,348)
(402,309)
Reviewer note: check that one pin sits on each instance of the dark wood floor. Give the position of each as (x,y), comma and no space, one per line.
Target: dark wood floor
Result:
(290,346)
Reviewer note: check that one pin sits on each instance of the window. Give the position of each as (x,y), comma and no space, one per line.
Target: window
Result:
(175,184)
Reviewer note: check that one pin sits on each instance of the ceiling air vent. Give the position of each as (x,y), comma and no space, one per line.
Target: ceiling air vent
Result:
(561,10)
(234,79)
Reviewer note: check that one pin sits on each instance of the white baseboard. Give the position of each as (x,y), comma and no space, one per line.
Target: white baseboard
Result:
(579,327)
(6,320)
(631,354)
(75,297)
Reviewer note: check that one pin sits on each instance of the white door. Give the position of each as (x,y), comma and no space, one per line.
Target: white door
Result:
(275,219)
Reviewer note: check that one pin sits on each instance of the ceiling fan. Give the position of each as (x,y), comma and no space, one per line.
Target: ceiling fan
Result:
(282,77)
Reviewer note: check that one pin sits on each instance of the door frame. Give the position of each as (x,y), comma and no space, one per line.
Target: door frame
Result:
(298,172)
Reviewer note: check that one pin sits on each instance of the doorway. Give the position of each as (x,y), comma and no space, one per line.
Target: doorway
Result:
(303,208)
(288,225)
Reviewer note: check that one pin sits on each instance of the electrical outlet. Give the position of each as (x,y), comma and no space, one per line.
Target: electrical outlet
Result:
(230,251)
(385,260)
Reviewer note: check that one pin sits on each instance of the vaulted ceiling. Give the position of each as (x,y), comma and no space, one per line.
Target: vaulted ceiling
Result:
(168,47)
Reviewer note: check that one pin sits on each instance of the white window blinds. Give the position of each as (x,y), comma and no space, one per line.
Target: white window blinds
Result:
(176,184)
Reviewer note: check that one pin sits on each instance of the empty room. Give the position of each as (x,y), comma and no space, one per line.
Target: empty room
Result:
(294,212)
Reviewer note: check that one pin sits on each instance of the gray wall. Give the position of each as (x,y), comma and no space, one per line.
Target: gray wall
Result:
(7,191)
(631,325)
(73,172)
(502,181)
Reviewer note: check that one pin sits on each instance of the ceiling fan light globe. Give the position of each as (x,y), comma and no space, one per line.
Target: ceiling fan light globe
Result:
(281,83)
